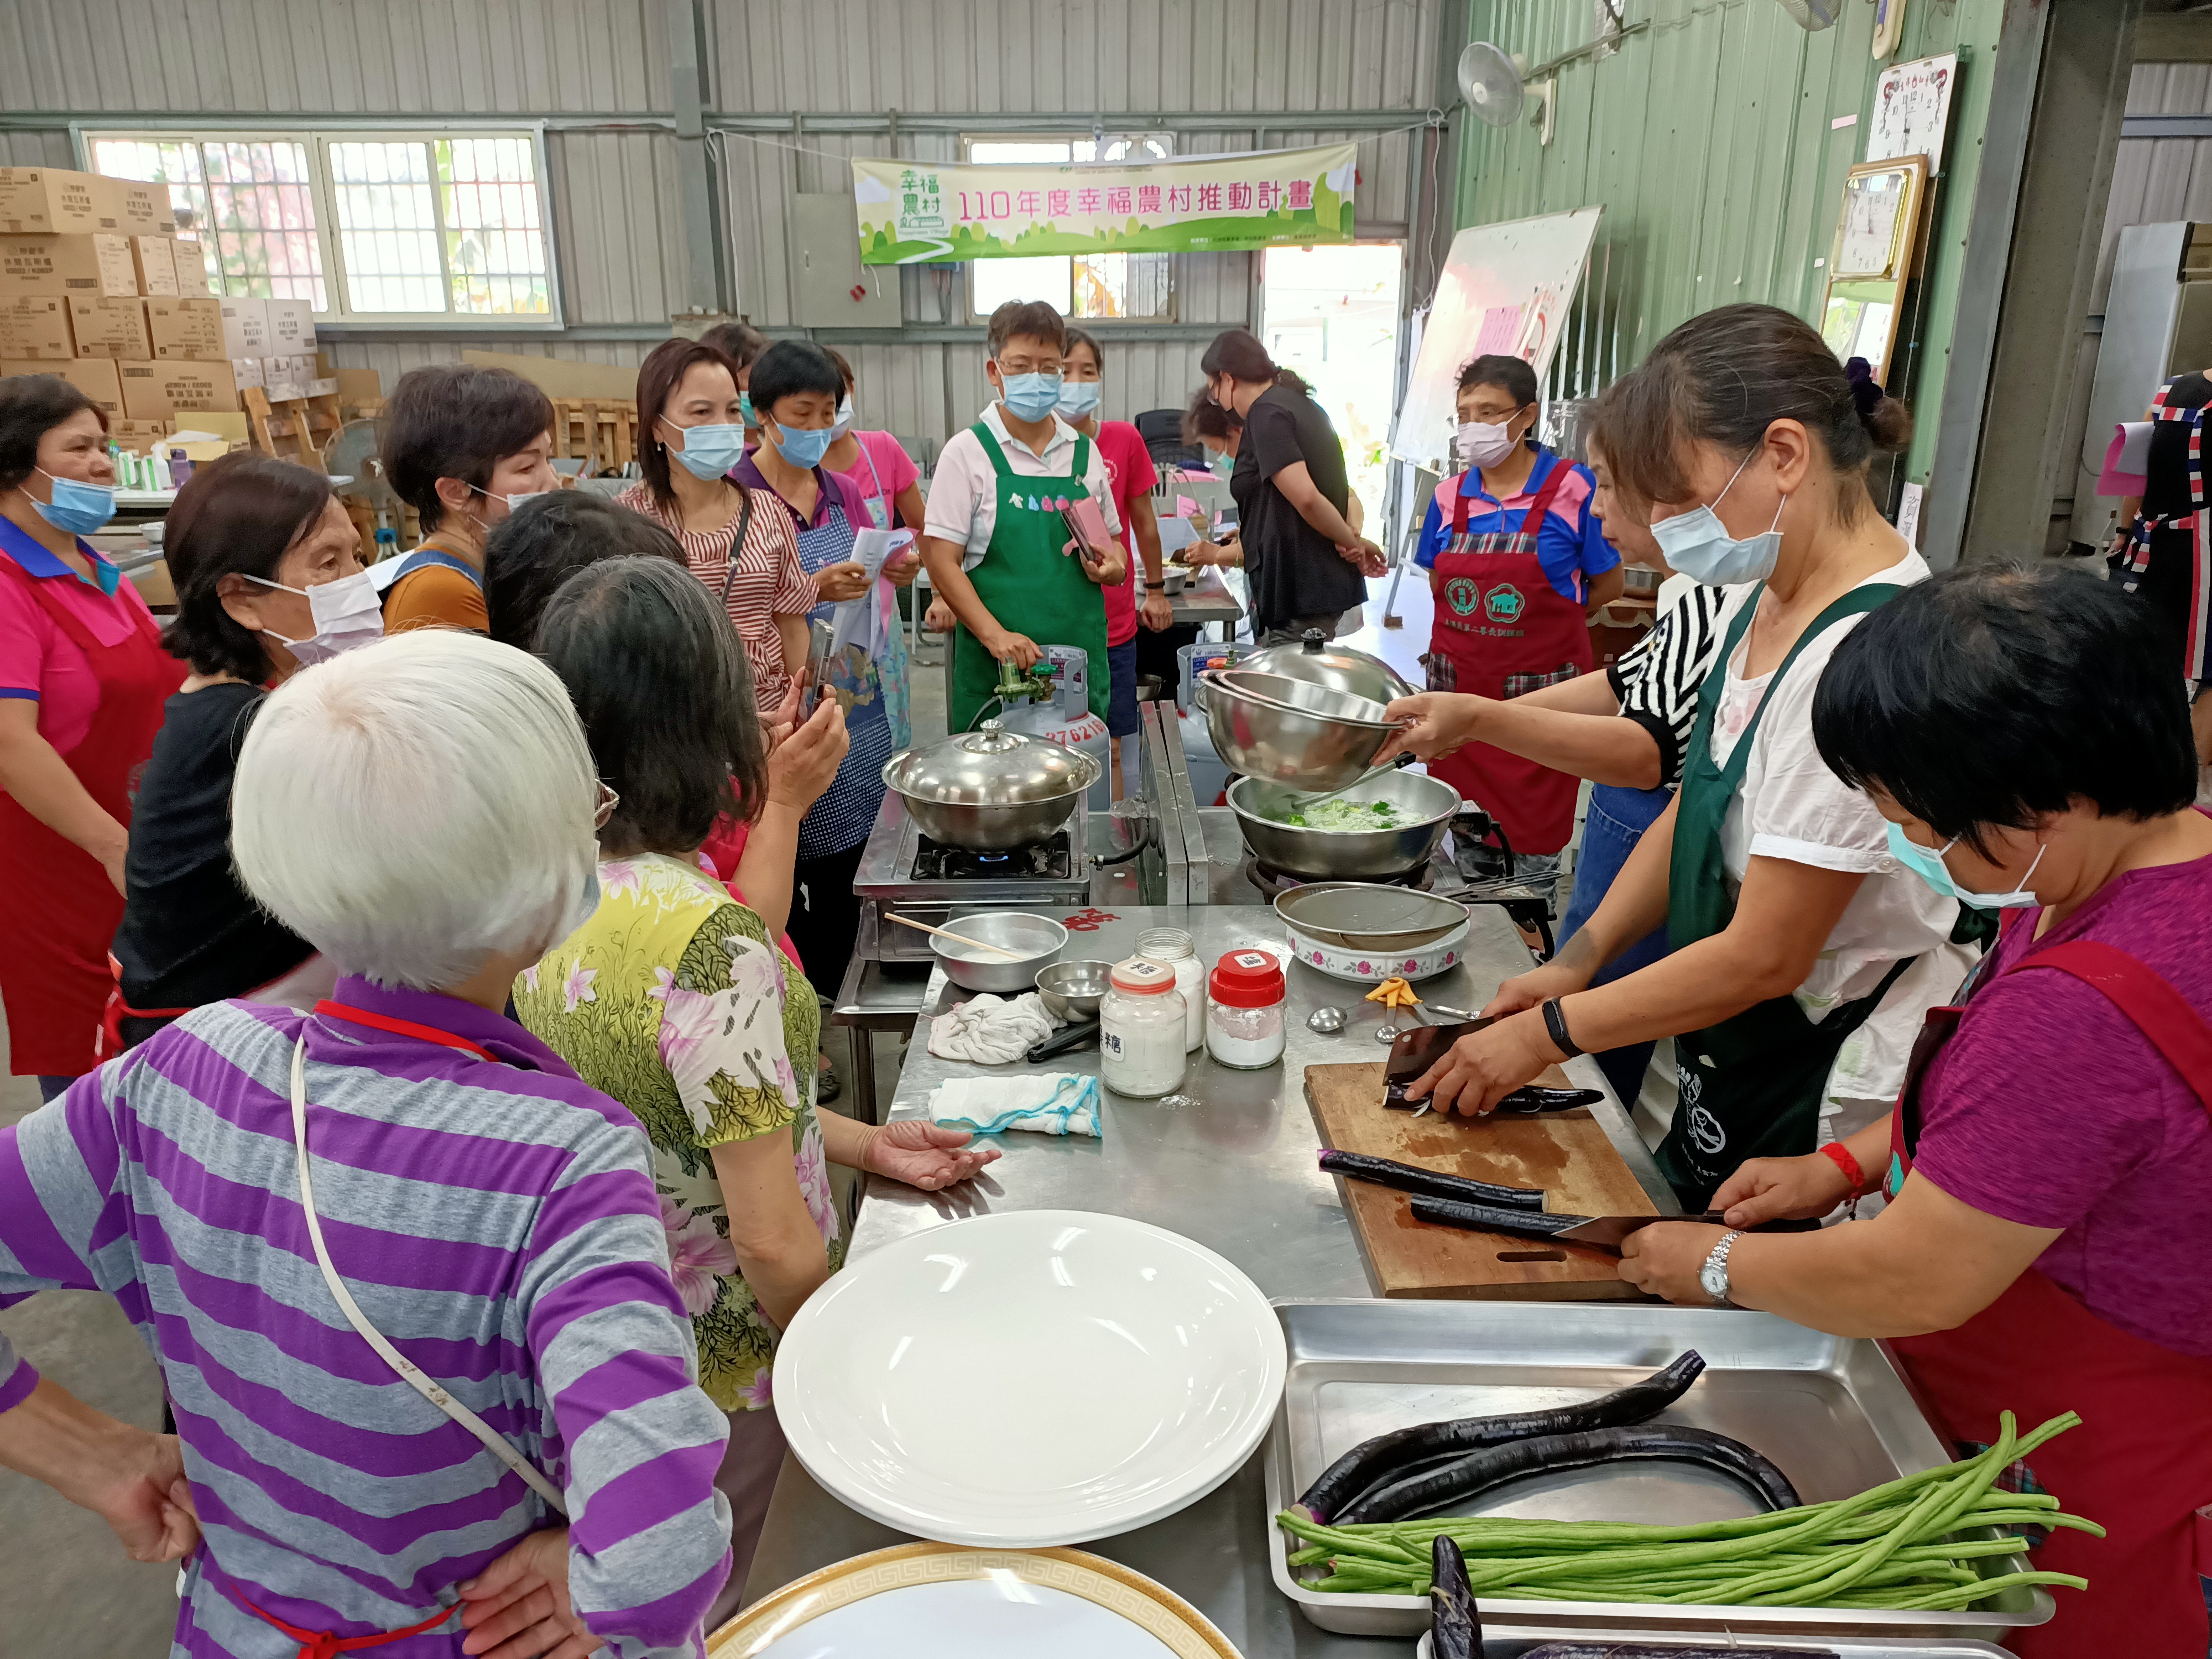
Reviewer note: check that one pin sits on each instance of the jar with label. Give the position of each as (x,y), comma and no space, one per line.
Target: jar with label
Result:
(1175,948)
(1244,1011)
(1141,1023)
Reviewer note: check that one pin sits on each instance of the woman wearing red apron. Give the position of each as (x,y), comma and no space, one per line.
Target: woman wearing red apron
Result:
(82,681)
(1517,561)
(2044,1248)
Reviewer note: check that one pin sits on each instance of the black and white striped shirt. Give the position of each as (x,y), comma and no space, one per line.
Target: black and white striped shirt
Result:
(1657,678)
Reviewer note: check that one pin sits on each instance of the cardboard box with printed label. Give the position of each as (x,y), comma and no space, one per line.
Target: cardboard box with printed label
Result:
(53,201)
(98,266)
(137,209)
(156,257)
(246,371)
(97,378)
(291,328)
(36,325)
(288,376)
(244,328)
(167,392)
(109,328)
(191,268)
(140,435)
(185,330)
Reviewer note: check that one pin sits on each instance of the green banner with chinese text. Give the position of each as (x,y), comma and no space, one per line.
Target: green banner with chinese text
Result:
(911,212)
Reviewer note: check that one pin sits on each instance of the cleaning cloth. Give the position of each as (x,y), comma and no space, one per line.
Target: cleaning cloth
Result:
(988,1031)
(1061,1103)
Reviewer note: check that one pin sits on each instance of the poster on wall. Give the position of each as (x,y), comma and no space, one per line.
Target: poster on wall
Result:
(1505,288)
(1912,109)
(913,212)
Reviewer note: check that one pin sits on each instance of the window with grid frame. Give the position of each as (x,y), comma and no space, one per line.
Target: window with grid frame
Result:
(367,226)
(1126,286)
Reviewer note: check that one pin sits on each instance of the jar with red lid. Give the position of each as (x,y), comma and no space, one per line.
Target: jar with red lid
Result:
(1244,1011)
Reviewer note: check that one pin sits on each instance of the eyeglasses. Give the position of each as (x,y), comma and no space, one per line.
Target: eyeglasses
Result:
(608,801)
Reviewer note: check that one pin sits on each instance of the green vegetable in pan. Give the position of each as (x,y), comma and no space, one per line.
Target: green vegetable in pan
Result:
(1900,1545)
(1344,815)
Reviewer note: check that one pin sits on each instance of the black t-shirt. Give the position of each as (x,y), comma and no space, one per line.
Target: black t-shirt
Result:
(1292,568)
(190,932)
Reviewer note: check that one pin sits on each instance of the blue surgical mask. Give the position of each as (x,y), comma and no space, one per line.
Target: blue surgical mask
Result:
(804,449)
(709,451)
(1698,543)
(1926,863)
(745,410)
(1029,396)
(1079,398)
(77,507)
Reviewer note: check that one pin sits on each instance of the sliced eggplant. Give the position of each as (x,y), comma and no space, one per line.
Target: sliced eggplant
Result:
(1455,1627)
(1380,1459)
(1436,1183)
(1662,1650)
(1552,1454)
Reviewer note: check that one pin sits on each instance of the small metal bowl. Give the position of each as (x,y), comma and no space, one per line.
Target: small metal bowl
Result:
(1037,939)
(1071,990)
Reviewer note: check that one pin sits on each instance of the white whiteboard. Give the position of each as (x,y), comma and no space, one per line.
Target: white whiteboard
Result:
(1504,288)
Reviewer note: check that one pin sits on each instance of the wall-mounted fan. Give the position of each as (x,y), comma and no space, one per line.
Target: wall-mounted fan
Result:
(1813,16)
(1492,85)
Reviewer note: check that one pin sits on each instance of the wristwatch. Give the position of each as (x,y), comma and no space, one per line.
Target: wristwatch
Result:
(1555,1027)
(1713,1277)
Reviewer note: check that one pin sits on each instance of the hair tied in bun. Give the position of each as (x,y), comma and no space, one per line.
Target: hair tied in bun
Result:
(1866,391)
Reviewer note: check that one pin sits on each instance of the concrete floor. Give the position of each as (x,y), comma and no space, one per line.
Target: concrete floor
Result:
(68,1593)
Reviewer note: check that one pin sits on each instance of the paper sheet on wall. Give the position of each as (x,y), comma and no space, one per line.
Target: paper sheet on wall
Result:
(1501,332)
(867,621)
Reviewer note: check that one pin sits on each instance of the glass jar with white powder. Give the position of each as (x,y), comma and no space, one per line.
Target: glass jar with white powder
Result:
(1140,1026)
(1177,949)
(1244,1011)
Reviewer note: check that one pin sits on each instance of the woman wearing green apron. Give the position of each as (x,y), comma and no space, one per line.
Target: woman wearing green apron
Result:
(1803,954)
(996,527)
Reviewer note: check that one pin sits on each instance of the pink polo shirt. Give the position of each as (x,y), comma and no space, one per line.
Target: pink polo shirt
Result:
(38,660)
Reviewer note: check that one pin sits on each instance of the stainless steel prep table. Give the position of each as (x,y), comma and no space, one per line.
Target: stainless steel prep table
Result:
(1238,1173)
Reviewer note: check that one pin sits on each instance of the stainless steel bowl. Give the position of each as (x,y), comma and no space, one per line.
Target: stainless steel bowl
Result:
(1335,667)
(1036,940)
(1290,732)
(1426,805)
(1171,579)
(1359,915)
(991,789)
(1071,990)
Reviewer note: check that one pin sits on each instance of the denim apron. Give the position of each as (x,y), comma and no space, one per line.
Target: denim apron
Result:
(846,812)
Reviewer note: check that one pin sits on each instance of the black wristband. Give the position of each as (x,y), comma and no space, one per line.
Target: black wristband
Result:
(1555,1024)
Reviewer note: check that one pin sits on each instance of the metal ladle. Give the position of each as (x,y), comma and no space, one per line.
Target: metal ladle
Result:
(1301,803)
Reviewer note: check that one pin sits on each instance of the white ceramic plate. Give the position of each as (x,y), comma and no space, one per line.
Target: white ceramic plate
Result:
(1040,1376)
(1371,967)
(937,1601)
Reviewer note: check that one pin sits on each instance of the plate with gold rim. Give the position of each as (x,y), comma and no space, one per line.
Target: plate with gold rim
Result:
(943,1602)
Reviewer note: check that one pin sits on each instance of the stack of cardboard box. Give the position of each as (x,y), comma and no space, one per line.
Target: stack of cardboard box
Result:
(96,286)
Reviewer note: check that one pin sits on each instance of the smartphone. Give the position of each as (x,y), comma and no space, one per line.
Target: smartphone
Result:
(818,636)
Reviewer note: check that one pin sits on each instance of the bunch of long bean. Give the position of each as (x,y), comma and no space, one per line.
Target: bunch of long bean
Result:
(1897,1546)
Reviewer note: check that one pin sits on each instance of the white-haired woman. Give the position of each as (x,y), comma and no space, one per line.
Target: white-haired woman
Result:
(422,811)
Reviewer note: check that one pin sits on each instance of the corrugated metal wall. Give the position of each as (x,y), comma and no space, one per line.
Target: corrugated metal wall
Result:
(1710,140)
(620,235)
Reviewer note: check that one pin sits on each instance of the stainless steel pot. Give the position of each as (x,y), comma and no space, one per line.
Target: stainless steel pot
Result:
(1307,737)
(1425,806)
(1333,667)
(990,789)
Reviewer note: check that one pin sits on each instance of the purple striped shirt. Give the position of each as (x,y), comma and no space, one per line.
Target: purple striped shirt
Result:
(496,1221)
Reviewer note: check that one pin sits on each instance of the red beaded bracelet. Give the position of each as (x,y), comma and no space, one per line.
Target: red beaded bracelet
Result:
(1848,1164)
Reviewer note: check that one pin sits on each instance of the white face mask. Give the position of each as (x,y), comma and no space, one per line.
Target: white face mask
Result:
(844,419)
(348,613)
(512,501)
(1481,443)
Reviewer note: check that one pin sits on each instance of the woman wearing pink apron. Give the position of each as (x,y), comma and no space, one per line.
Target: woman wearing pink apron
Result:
(1517,562)
(2044,1247)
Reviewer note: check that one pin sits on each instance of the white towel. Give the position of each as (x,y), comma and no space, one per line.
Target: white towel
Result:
(1059,1104)
(988,1031)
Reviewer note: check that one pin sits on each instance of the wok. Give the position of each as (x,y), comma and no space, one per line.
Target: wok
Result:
(1425,806)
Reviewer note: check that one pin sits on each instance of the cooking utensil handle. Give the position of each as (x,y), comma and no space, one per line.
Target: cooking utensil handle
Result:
(1079,1036)
(957,938)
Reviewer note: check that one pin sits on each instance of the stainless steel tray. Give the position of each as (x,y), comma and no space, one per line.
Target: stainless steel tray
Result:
(1509,1642)
(1832,1412)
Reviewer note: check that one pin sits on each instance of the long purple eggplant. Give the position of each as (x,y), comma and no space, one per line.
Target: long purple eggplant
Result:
(1552,1454)
(1655,1650)
(1437,1183)
(1454,1626)
(1491,1217)
(1376,1460)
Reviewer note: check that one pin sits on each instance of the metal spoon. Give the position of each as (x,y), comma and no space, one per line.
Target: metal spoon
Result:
(1389,1033)
(1326,1021)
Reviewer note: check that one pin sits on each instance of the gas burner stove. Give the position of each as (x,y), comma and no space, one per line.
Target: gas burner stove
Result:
(1050,859)
(1273,883)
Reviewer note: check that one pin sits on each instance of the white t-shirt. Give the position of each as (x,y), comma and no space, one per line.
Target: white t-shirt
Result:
(964,496)
(1791,806)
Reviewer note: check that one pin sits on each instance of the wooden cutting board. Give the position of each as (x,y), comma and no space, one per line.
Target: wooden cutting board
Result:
(1565,1153)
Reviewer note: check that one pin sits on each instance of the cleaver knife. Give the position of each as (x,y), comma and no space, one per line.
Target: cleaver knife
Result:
(1603,1232)
(1413,1052)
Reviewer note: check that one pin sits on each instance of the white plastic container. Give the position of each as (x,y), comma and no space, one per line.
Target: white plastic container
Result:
(1244,1011)
(1174,948)
(1141,1025)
